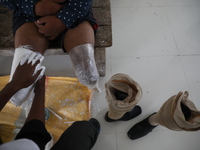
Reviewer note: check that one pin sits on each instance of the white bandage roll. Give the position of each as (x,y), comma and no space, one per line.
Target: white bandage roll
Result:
(21,56)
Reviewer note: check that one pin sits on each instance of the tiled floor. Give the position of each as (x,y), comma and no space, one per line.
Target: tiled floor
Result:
(157,43)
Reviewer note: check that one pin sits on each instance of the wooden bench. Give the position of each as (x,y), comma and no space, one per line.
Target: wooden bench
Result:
(102,12)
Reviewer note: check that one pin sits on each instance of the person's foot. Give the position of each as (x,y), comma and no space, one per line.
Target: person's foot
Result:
(127,116)
(140,129)
(96,123)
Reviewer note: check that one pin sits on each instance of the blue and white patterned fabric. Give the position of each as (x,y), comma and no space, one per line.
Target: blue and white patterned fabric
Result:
(73,11)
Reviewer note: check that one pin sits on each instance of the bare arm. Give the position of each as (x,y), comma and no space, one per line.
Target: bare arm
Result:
(37,109)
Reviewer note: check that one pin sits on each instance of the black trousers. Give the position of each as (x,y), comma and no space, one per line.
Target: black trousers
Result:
(81,135)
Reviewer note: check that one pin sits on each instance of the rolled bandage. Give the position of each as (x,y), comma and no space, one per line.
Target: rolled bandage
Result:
(82,58)
(22,56)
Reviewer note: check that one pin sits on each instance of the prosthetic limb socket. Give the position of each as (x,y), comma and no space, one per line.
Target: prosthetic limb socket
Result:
(122,83)
(21,56)
(179,113)
(82,58)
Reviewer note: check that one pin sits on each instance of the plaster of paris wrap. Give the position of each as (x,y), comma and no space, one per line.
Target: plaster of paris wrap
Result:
(171,116)
(21,56)
(82,58)
(123,83)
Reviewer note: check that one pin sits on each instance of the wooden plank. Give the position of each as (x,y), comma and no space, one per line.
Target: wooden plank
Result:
(104,36)
(6,34)
(103,16)
(101,3)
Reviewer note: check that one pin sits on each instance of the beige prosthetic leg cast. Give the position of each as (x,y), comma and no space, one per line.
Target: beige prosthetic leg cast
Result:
(172,117)
(124,83)
(82,58)
(21,56)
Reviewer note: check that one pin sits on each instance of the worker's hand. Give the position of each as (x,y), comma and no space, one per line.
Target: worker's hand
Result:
(48,7)
(50,26)
(40,85)
(23,76)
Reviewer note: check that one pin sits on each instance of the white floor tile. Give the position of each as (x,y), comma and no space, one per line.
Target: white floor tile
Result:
(192,71)
(184,22)
(180,2)
(106,141)
(156,75)
(133,3)
(141,31)
(160,140)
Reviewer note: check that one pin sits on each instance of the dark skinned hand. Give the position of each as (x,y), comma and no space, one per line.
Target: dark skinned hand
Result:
(50,26)
(23,76)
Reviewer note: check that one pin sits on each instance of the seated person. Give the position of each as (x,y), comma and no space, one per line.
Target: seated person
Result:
(69,24)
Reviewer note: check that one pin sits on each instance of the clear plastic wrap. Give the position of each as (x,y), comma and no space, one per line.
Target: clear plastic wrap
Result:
(82,58)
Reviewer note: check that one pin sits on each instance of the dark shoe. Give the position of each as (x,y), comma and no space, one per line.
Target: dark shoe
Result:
(140,129)
(96,123)
(127,116)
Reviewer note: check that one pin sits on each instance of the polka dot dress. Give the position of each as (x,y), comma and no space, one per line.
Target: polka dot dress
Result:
(73,11)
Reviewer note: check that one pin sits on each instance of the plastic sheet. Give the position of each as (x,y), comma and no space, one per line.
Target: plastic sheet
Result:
(82,58)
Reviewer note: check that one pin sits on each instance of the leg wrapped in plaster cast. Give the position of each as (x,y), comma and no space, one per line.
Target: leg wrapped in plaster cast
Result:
(82,58)
(21,56)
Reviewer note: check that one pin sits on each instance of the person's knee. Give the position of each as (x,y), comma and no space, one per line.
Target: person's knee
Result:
(83,32)
(28,35)
(40,44)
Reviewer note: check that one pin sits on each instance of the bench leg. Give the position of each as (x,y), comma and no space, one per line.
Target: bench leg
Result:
(99,55)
